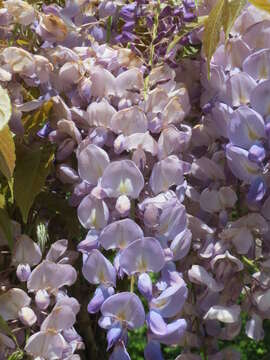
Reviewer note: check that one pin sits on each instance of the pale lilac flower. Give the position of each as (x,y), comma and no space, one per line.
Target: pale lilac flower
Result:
(12,301)
(240,165)
(246,127)
(171,300)
(198,275)
(22,12)
(50,277)
(122,178)
(98,270)
(93,213)
(119,234)
(168,172)
(257,65)
(174,333)
(27,316)
(124,308)
(142,255)
(254,328)
(129,121)
(92,161)
(225,314)
(260,98)
(26,251)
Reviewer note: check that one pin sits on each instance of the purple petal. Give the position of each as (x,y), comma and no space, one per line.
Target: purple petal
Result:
(152,351)
(246,127)
(93,213)
(90,242)
(256,153)
(180,245)
(120,234)
(257,190)
(240,165)
(98,270)
(49,275)
(113,335)
(100,295)
(260,98)
(142,255)
(145,285)
(257,65)
(92,161)
(126,308)
(122,178)
(174,333)
(170,301)
(120,353)
(156,323)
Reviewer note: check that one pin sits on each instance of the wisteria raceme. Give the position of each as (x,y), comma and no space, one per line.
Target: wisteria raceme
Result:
(140,196)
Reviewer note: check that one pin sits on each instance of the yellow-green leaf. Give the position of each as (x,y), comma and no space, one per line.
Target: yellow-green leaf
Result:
(32,169)
(232,9)
(261,4)
(7,152)
(212,30)
(189,27)
(5,107)
(33,122)
(17,355)
(2,201)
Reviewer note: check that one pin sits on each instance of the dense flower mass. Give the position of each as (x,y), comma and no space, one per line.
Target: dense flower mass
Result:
(140,196)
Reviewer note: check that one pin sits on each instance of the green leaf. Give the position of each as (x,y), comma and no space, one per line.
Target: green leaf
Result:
(232,9)
(212,30)
(5,328)
(5,225)
(222,15)
(7,152)
(5,107)
(32,169)
(109,29)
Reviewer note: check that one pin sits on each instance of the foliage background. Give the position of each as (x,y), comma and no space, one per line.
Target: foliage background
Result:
(250,349)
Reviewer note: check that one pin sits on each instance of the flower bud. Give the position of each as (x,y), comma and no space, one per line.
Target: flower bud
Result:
(84,89)
(42,299)
(122,205)
(65,149)
(145,285)
(119,144)
(106,8)
(23,272)
(27,316)
(139,158)
(66,174)
(256,153)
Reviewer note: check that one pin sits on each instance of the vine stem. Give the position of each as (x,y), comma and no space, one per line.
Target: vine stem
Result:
(250,263)
(132,281)
(152,46)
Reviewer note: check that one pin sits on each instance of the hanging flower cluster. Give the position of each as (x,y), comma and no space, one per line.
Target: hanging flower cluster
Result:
(130,148)
(164,165)
(44,305)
